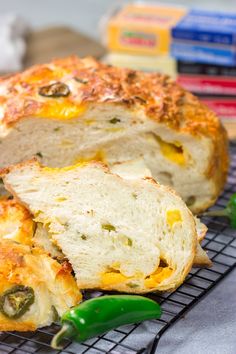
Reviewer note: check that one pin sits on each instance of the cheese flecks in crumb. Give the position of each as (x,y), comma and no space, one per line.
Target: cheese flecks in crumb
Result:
(172,151)
(173,216)
(120,244)
(99,156)
(158,277)
(112,278)
(62,110)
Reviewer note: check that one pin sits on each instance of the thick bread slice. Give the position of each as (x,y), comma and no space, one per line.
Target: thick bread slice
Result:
(137,169)
(16,224)
(115,115)
(118,234)
(54,287)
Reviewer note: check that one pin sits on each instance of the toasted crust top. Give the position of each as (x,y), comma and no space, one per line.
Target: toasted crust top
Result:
(90,81)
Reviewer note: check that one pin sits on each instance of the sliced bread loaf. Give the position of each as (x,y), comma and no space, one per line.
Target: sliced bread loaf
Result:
(127,235)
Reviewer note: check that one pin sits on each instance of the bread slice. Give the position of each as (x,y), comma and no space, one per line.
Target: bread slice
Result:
(79,109)
(137,169)
(52,288)
(16,224)
(118,234)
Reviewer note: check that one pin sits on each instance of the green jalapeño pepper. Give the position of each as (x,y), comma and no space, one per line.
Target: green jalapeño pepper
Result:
(15,301)
(100,315)
(229,211)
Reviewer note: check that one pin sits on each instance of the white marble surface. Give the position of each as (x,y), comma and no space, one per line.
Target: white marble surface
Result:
(210,327)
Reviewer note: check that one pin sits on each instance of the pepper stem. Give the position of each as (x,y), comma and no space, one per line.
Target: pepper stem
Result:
(67,330)
(222,212)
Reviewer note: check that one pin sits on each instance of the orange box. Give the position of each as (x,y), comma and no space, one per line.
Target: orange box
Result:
(143,29)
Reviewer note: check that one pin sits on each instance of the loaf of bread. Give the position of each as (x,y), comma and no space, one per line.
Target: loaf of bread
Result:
(34,288)
(130,235)
(74,110)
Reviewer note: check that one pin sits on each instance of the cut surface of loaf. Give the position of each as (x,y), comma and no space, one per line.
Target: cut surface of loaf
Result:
(118,234)
(16,223)
(34,288)
(79,109)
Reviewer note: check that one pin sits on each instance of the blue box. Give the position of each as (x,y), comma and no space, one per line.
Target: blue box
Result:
(206,26)
(203,53)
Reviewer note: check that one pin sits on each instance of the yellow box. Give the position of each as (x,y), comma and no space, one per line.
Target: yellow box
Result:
(159,63)
(143,29)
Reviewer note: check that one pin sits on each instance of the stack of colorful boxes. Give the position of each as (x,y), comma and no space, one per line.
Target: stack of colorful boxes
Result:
(196,47)
(204,45)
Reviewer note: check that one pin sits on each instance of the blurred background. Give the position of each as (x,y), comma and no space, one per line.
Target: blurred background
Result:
(84,15)
(192,41)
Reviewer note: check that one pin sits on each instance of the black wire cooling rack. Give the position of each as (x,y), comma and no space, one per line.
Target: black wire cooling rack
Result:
(220,242)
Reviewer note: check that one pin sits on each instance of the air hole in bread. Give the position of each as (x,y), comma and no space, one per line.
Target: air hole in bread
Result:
(191,200)
(110,269)
(163,263)
(166,178)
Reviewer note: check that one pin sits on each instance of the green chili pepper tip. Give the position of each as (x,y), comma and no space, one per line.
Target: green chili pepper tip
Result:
(67,330)
(100,315)
(229,211)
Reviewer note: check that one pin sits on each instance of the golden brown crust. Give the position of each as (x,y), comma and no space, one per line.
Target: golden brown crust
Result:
(13,325)
(161,98)
(16,222)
